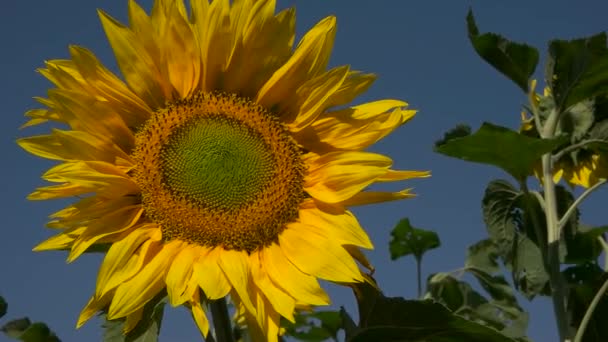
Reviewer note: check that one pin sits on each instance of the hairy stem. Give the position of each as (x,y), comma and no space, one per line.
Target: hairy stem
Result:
(221,320)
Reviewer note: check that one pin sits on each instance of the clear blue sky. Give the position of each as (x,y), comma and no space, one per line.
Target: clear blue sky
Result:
(422,55)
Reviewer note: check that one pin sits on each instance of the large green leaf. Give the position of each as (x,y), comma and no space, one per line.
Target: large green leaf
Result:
(499,146)
(410,240)
(515,60)
(23,330)
(397,319)
(147,329)
(577,69)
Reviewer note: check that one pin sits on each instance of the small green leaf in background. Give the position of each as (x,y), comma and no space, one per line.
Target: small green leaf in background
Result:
(23,330)
(147,329)
(516,61)
(3,306)
(499,146)
(397,319)
(577,69)
(410,240)
(316,326)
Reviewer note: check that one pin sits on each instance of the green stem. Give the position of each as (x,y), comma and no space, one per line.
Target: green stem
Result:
(577,202)
(221,320)
(575,147)
(418,275)
(589,312)
(558,288)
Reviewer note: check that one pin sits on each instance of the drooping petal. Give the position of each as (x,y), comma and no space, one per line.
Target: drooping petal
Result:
(134,293)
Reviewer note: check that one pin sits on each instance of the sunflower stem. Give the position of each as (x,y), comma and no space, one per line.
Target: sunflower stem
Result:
(419,275)
(558,289)
(221,320)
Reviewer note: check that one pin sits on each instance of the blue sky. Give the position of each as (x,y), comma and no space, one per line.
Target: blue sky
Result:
(419,50)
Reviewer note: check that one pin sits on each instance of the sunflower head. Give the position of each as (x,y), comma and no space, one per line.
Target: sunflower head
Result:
(222,163)
(583,167)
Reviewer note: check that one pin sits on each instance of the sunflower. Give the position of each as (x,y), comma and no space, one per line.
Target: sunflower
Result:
(223,164)
(584,167)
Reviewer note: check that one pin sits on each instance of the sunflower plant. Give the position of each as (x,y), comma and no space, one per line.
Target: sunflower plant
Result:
(537,234)
(217,169)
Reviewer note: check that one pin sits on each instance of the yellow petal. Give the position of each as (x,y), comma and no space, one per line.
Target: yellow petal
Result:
(303,287)
(354,85)
(397,175)
(112,223)
(209,275)
(137,66)
(180,273)
(370,197)
(93,306)
(308,60)
(236,268)
(63,240)
(136,292)
(280,300)
(337,176)
(132,109)
(72,145)
(316,255)
(340,227)
(111,271)
(313,97)
(199,315)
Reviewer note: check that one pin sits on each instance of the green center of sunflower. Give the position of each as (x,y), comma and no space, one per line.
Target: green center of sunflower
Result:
(217,162)
(217,170)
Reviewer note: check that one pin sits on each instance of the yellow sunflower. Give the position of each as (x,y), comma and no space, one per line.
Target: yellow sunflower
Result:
(225,162)
(589,166)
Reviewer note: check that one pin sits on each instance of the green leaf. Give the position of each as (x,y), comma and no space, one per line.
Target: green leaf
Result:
(528,268)
(23,330)
(349,326)
(452,293)
(502,210)
(459,131)
(584,281)
(499,205)
(499,146)
(410,240)
(515,60)
(3,306)
(316,326)
(396,319)
(584,246)
(577,69)
(496,285)
(146,330)
(483,256)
